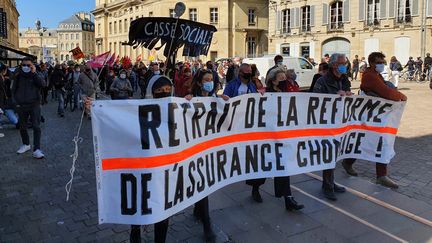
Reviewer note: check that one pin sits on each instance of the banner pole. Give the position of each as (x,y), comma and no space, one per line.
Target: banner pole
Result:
(168,62)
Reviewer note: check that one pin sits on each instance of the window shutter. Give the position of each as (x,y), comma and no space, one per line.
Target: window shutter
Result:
(415,8)
(297,17)
(383,9)
(292,18)
(361,10)
(392,8)
(429,8)
(346,8)
(325,12)
(312,15)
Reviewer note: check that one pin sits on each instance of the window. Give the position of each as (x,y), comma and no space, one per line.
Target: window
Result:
(336,18)
(150,14)
(120,26)
(306,19)
(61,57)
(286,25)
(214,16)
(172,13)
(125,25)
(61,47)
(251,47)
(251,16)
(67,36)
(72,46)
(373,10)
(110,46)
(110,28)
(98,30)
(193,15)
(67,46)
(404,11)
(77,36)
(115,27)
(72,36)
(285,49)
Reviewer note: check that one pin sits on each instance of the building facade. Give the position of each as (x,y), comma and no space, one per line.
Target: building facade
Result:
(242,25)
(9,8)
(400,28)
(77,30)
(39,42)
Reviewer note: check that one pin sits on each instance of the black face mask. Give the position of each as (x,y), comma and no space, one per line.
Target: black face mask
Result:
(247,75)
(161,95)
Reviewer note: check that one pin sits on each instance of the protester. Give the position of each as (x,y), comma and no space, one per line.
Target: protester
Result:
(322,70)
(256,80)
(88,81)
(153,70)
(326,58)
(73,80)
(374,84)
(217,85)
(183,82)
(427,65)
(355,67)
(396,68)
(334,82)
(6,103)
(233,69)
(121,87)
(58,80)
(419,66)
(278,82)
(43,73)
(203,85)
(278,60)
(109,80)
(160,87)
(242,84)
(26,90)
(362,66)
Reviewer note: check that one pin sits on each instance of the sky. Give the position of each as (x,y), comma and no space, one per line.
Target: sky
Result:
(49,12)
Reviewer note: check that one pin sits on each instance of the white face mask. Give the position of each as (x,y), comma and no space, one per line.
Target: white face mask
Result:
(77,70)
(380,68)
(123,76)
(26,69)
(157,72)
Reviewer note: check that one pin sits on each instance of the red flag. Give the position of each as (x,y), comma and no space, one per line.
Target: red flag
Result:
(99,61)
(117,59)
(110,61)
(77,53)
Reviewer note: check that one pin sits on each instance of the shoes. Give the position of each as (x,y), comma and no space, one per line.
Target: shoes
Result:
(329,194)
(349,169)
(339,189)
(291,204)
(256,196)
(37,154)
(24,148)
(387,182)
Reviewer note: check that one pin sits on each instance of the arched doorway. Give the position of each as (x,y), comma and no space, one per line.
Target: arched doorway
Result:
(336,45)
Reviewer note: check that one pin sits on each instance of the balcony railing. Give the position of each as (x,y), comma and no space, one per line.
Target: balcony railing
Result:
(405,20)
(305,29)
(285,30)
(335,27)
(372,23)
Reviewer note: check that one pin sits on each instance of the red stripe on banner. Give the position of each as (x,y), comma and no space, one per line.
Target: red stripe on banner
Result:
(167,159)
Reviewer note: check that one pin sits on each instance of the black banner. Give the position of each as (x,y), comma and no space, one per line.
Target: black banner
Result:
(173,34)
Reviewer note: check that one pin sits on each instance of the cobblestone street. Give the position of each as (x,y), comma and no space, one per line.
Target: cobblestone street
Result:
(33,205)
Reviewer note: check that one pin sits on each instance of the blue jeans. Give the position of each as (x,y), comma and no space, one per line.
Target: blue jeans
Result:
(77,97)
(11,116)
(61,102)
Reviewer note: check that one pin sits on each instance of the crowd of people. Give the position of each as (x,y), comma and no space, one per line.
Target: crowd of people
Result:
(24,91)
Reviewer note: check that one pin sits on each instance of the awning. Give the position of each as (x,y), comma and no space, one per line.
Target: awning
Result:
(10,54)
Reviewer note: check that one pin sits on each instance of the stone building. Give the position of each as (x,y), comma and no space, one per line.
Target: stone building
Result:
(315,27)
(9,7)
(242,25)
(77,30)
(40,42)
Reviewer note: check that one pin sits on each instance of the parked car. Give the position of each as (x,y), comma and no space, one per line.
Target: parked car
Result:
(302,67)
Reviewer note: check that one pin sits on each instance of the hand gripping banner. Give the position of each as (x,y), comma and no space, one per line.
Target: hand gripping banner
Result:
(155,158)
(173,33)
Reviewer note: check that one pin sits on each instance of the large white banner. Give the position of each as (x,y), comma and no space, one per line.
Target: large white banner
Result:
(155,158)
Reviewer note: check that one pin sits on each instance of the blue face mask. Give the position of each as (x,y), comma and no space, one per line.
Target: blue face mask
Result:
(342,69)
(208,86)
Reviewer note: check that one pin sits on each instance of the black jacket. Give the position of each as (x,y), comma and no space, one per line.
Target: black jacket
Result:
(26,88)
(57,79)
(330,84)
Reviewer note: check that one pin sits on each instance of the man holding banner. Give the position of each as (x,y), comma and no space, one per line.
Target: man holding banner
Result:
(334,82)
(372,83)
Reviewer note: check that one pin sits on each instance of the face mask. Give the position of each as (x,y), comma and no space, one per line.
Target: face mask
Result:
(280,63)
(161,95)
(247,75)
(157,72)
(123,76)
(380,68)
(208,86)
(342,69)
(78,70)
(294,76)
(26,69)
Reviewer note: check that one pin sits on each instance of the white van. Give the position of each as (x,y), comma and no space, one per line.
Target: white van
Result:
(302,67)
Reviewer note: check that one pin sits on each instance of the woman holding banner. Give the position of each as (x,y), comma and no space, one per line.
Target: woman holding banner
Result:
(160,87)
(279,80)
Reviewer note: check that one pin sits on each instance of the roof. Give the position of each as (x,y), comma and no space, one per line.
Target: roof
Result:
(74,22)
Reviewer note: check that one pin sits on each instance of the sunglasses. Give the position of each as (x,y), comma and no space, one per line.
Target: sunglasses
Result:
(26,65)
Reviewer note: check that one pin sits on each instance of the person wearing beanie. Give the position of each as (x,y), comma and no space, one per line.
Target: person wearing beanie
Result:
(160,87)
(121,87)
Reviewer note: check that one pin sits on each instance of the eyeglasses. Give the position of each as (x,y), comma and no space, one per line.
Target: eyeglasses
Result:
(25,65)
